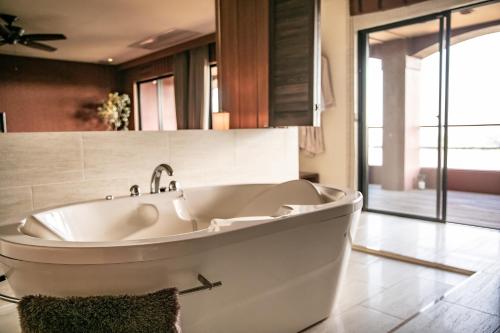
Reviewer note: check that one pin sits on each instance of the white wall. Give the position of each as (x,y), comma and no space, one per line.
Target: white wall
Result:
(335,164)
(39,170)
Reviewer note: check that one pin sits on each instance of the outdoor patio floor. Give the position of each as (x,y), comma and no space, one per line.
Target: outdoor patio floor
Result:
(463,207)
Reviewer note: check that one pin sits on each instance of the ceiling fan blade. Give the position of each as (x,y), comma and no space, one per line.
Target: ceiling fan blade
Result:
(40,37)
(9,19)
(4,32)
(38,46)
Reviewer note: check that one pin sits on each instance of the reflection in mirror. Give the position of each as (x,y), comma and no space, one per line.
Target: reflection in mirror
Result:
(157,104)
(60,87)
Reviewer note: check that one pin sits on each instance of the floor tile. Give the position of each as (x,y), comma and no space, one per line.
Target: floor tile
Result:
(442,276)
(384,272)
(354,292)
(362,258)
(407,297)
(359,319)
(9,321)
(481,292)
(451,318)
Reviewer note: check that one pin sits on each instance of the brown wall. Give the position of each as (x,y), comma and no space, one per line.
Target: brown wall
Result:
(40,95)
(458,180)
(358,7)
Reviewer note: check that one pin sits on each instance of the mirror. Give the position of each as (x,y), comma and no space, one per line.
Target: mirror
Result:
(158,55)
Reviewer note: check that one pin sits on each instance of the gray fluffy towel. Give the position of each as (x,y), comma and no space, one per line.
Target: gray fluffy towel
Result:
(155,312)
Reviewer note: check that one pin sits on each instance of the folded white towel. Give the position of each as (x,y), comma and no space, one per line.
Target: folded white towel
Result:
(216,224)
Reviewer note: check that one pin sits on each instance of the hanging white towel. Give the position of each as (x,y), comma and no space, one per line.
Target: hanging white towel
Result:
(311,140)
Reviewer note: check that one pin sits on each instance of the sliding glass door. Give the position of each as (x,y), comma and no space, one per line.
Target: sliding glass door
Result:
(402,117)
(429,110)
(473,155)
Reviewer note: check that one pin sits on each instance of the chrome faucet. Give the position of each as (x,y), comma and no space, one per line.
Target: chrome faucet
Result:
(155,178)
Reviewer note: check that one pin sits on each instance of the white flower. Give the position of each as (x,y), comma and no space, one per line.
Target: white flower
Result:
(115,111)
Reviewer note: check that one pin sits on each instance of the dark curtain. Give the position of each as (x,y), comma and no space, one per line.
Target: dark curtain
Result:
(192,88)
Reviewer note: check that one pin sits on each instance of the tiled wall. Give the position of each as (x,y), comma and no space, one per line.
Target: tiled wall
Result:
(39,170)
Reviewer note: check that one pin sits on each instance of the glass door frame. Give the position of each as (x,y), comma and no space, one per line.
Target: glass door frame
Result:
(444,50)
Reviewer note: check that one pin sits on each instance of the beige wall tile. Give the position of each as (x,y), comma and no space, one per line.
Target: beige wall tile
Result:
(261,156)
(201,157)
(14,202)
(131,155)
(292,151)
(38,158)
(57,194)
(69,167)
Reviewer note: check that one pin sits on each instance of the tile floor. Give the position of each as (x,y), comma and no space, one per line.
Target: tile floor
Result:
(471,306)
(379,294)
(466,247)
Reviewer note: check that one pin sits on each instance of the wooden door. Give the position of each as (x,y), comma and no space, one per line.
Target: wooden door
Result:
(294,62)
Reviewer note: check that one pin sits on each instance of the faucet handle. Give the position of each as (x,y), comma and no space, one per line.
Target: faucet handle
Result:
(135,191)
(174,186)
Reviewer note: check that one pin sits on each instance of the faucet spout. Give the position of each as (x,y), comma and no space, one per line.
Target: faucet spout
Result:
(155,178)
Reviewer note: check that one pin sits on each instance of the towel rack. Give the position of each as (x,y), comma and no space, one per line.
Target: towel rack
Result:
(205,285)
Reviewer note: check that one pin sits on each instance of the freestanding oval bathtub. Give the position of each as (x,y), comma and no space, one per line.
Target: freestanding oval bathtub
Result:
(279,250)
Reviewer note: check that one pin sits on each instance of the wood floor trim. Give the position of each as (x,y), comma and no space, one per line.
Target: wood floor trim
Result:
(411,260)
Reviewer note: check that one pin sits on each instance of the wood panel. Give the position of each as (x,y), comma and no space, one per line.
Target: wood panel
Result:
(247,60)
(262,26)
(294,60)
(228,63)
(242,40)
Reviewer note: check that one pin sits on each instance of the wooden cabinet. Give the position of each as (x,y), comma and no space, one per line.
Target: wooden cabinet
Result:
(268,56)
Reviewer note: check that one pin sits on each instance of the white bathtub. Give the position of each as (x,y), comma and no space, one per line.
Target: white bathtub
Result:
(280,270)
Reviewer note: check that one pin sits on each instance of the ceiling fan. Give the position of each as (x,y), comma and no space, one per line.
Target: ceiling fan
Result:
(11,34)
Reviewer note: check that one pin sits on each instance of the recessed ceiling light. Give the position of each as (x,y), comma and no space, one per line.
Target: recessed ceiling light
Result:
(110,59)
(147,41)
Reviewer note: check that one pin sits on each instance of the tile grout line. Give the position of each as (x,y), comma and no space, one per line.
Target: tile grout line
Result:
(469,308)
(380,311)
(32,198)
(82,156)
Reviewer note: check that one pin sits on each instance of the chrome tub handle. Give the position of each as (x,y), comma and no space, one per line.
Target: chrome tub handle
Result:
(205,285)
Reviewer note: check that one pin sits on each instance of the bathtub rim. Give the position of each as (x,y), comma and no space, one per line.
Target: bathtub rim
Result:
(31,249)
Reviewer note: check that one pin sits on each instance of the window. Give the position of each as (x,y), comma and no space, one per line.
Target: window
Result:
(157,104)
(214,89)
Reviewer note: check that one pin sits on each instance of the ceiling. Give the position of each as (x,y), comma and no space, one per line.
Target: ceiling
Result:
(480,14)
(100,29)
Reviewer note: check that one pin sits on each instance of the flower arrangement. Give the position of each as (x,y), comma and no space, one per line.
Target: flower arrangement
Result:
(115,111)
